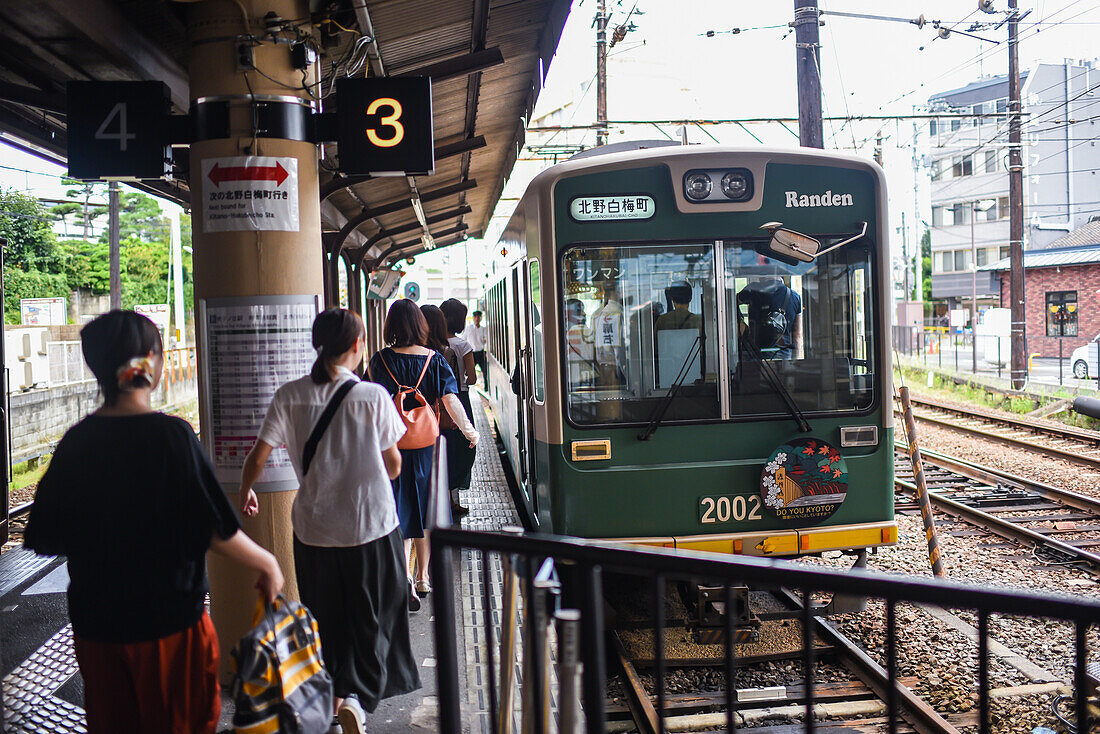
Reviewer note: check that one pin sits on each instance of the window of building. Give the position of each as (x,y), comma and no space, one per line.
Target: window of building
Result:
(988,255)
(947,262)
(960,214)
(990,214)
(1002,105)
(937,216)
(937,170)
(962,166)
(956,124)
(1061,313)
(991,161)
(1004,252)
(932,128)
(962,259)
(1002,207)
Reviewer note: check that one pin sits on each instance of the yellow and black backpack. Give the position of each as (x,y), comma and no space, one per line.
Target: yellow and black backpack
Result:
(281,684)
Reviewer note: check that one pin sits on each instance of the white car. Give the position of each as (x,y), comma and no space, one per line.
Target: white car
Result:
(1086,360)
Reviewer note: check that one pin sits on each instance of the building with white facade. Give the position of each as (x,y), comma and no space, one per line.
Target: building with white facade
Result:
(969,168)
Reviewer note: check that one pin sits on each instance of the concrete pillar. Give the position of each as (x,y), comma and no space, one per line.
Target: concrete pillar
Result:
(249,263)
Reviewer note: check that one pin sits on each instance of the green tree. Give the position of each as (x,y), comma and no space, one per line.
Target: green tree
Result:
(26,225)
(83,191)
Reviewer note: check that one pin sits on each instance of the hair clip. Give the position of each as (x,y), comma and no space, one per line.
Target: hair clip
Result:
(129,373)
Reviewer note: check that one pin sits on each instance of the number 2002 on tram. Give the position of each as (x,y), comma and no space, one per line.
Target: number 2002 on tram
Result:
(700,340)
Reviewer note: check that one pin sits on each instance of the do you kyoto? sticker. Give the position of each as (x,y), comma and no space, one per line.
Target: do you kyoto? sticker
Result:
(804,481)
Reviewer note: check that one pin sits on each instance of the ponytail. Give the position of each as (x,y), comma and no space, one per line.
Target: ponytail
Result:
(335,332)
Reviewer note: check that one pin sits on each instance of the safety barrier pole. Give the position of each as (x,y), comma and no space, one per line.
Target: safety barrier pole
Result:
(508,640)
(568,623)
(922,488)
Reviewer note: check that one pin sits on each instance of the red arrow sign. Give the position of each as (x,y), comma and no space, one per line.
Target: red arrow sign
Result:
(275,173)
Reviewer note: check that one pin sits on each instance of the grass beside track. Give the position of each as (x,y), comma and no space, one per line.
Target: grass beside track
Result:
(978,394)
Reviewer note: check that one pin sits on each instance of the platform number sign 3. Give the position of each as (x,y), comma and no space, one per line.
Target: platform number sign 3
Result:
(385,125)
(117,129)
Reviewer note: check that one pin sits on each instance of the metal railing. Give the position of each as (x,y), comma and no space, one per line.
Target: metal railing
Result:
(528,559)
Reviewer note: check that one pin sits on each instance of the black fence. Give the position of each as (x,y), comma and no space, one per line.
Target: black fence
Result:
(529,562)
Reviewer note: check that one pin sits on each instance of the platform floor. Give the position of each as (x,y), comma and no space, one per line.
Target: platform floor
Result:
(43,693)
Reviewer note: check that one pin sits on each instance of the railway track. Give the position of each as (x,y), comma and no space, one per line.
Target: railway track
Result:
(1076,445)
(860,703)
(1064,526)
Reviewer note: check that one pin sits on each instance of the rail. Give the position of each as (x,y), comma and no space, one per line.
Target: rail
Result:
(581,566)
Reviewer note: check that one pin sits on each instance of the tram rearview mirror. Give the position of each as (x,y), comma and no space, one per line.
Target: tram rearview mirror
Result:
(790,244)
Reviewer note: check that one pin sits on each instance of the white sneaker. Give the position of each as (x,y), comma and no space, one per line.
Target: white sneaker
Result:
(352,717)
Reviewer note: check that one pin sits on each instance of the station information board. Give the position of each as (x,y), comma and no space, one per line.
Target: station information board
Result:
(384,125)
(252,346)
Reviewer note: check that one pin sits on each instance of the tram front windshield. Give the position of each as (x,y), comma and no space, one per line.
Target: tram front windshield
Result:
(647,325)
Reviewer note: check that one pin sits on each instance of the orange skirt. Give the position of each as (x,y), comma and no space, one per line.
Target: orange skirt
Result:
(164,686)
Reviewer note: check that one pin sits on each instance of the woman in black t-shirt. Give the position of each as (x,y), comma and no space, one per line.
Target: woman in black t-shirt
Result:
(131,500)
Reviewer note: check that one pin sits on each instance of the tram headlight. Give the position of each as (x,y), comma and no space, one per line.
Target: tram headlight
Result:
(737,185)
(697,186)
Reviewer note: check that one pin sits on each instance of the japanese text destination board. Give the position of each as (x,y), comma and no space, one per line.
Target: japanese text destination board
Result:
(250,193)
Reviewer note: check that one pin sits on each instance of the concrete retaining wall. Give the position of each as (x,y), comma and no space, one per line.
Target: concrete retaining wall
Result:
(40,417)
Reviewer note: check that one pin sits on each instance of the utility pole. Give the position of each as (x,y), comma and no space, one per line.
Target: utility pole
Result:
(176,261)
(807,62)
(601,72)
(878,147)
(1016,208)
(113,244)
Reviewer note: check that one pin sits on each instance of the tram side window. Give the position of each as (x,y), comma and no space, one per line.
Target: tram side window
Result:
(640,330)
(811,322)
(536,327)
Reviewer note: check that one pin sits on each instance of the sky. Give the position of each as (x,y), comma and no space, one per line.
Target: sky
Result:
(669,69)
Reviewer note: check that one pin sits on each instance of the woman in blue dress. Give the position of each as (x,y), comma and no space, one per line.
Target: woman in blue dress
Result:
(399,365)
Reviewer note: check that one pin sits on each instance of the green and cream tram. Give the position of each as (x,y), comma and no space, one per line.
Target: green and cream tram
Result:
(700,340)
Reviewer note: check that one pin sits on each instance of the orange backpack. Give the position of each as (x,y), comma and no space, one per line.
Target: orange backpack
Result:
(421,423)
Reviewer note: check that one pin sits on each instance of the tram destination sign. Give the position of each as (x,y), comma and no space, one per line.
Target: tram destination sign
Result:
(118,129)
(384,125)
(591,208)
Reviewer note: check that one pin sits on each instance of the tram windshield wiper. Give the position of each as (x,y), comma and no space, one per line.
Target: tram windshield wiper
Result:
(662,408)
(774,382)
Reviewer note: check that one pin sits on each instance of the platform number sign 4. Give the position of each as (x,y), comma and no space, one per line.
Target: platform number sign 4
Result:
(385,125)
(117,129)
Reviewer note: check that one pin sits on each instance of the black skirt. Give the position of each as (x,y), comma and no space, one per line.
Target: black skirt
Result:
(360,598)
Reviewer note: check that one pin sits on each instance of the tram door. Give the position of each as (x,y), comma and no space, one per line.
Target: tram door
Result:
(521,297)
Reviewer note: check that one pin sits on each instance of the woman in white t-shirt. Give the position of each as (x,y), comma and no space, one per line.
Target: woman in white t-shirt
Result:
(348,552)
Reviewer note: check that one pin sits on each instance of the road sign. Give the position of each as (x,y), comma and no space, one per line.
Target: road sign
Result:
(118,129)
(384,125)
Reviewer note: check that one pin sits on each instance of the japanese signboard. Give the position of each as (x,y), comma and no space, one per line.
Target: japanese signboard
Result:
(384,124)
(43,311)
(249,193)
(117,129)
(155,312)
(588,208)
(253,345)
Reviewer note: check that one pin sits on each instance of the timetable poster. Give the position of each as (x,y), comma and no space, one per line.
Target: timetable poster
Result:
(253,345)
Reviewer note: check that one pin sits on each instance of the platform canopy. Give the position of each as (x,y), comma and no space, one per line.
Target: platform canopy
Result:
(487,60)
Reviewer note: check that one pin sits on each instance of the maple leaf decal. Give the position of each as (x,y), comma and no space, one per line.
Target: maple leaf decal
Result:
(837,473)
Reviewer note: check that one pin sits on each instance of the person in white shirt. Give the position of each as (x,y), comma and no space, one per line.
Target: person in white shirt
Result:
(348,552)
(475,334)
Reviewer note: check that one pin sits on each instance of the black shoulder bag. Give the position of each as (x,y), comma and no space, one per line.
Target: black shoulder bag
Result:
(322,423)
